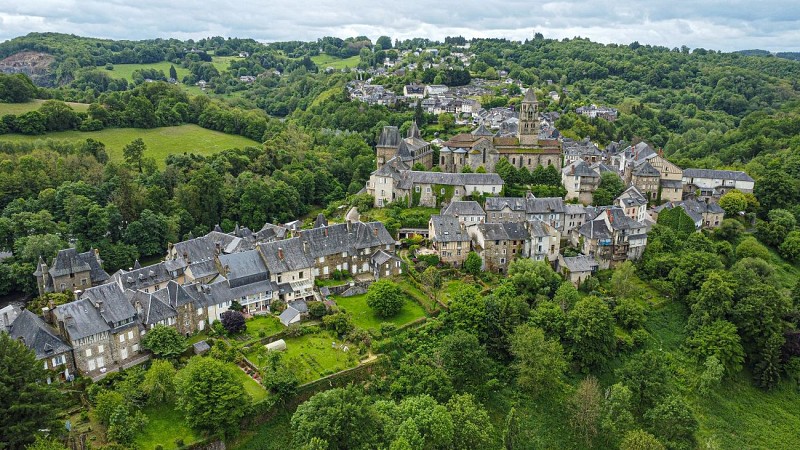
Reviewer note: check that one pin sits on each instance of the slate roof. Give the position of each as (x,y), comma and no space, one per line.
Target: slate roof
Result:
(499,203)
(620,221)
(288,315)
(37,335)
(176,295)
(516,231)
(574,209)
(544,205)
(220,291)
(390,137)
(381,257)
(448,229)
(671,184)
(243,268)
(411,177)
(114,307)
(538,228)
(530,96)
(144,277)
(81,319)
(645,169)
(153,309)
(721,174)
(580,263)
(69,261)
(463,208)
(299,305)
(337,238)
(203,269)
(601,168)
(493,231)
(294,257)
(320,221)
(482,131)
(270,232)
(595,229)
(581,169)
(631,197)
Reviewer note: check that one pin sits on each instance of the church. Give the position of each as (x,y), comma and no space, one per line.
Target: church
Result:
(482,148)
(403,152)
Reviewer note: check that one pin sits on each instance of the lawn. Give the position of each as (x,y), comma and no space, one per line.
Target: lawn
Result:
(160,141)
(448,289)
(164,426)
(255,390)
(324,61)
(268,324)
(364,317)
(20,108)
(311,356)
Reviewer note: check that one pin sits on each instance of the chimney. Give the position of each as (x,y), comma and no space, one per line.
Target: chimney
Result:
(325,231)
(375,231)
(349,225)
(280,253)
(99,305)
(305,246)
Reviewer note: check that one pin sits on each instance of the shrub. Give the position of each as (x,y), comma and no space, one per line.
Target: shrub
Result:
(385,297)
(233,321)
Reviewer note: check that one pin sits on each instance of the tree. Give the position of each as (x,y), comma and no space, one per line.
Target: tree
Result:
(566,296)
(610,187)
(159,382)
(385,42)
(446,121)
(790,248)
(616,416)
(124,424)
(473,428)
(164,341)
(27,403)
(539,361)
(533,278)
(751,248)
(586,406)
(211,396)
(105,403)
(42,443)
(729,230)
(172,72)
(712,374)
(629,313)
(385,297)
(719,339)
(673,423)
(233,321)
(134,153)
(512,433)
(733,202)
(464,360)
(590,329)
(623,280)
(640,440)
(646,375)
(344,417)
(473,264)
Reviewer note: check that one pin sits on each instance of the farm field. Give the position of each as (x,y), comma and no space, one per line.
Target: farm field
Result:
(21,108)
(365,318)
(160,142)
(323,61)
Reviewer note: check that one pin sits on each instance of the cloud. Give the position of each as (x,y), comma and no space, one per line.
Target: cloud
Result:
(713,24)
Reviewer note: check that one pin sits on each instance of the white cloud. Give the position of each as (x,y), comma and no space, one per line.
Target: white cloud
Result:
(725,25)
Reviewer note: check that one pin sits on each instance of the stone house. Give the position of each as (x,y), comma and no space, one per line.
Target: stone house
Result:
(505,209)
(290,268)
(633,202)
(500,243)
(544,243)
(577,269)
(706,183)
(410,151)
(574,217)
(704,214)
(467,212)
(385,264)
(449,239)
(612,238)
(70,271)
(645,177)
(147,279)
(431,189)
(103,329)
(580,181)
(580,150)
(50,349)
(670,175)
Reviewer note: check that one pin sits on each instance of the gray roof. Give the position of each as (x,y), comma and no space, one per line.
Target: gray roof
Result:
(463,208)
(544,205)
(270,232)
(37,335)
(448,229)
(299,305)
(152,309)
(530,96)
(574,209)
(293,256)
(177,295)
(381,257)
(516,231)
(721,174)
(202,269)
(81,319)
(595,229)
(482,131)
(344,237)
(581,169)
(632,197)
(244,267)
(671,184)
(320,221)
(390,137)
(645,169)
(144,277)
(499,203)
(601,168)
(411,177)
(201,347)
(620,221)
(220,291)
(580,263)
(113,305)
(538,228)
(69,261)
(288,315)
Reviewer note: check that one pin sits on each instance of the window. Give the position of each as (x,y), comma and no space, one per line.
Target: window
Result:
(83,281)
(59,360)
(301,275)
(122,338)
(441,191)
(88,352)
(428,190)
(101,362)
(100,349)
(416,189)
(130,333)
(279,278)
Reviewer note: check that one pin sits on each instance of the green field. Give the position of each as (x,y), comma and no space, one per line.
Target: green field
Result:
(268,324)
(20,108)
(364,317)
(160,142)
(164,426)
(312,356)
(323,61)
(126,70)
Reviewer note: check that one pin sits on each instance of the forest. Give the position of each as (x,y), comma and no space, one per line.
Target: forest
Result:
(694,346)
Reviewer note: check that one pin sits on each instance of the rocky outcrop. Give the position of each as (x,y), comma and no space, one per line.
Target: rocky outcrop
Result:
(36,65)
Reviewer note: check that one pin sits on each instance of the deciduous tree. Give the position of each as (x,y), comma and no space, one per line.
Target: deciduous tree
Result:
(385,297)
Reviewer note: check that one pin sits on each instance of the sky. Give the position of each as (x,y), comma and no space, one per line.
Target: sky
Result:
(725,25)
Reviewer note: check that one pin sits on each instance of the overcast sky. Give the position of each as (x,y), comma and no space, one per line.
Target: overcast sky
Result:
(712,24)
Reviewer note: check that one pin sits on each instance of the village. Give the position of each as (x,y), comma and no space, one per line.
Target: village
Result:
(280,269)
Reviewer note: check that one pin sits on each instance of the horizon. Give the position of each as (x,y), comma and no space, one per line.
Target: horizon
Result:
(737,25)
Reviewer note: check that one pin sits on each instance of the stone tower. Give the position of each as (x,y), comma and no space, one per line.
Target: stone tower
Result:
(528,131)
(387,146)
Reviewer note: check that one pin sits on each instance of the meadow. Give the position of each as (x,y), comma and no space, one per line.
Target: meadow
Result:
(364,317)
(323,61)
(21,108)
(160,142)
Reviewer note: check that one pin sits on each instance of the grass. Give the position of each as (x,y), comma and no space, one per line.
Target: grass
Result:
(276,434)
(160,142)
(311,356)
(164,426)
(365,318)
(448,289)
(417,294)
(255,390)
(21,108)
(324,61)
(268,324)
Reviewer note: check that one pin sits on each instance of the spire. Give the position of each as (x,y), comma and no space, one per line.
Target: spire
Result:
(136,264)
(482,131)
(530,96)
(413,132)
